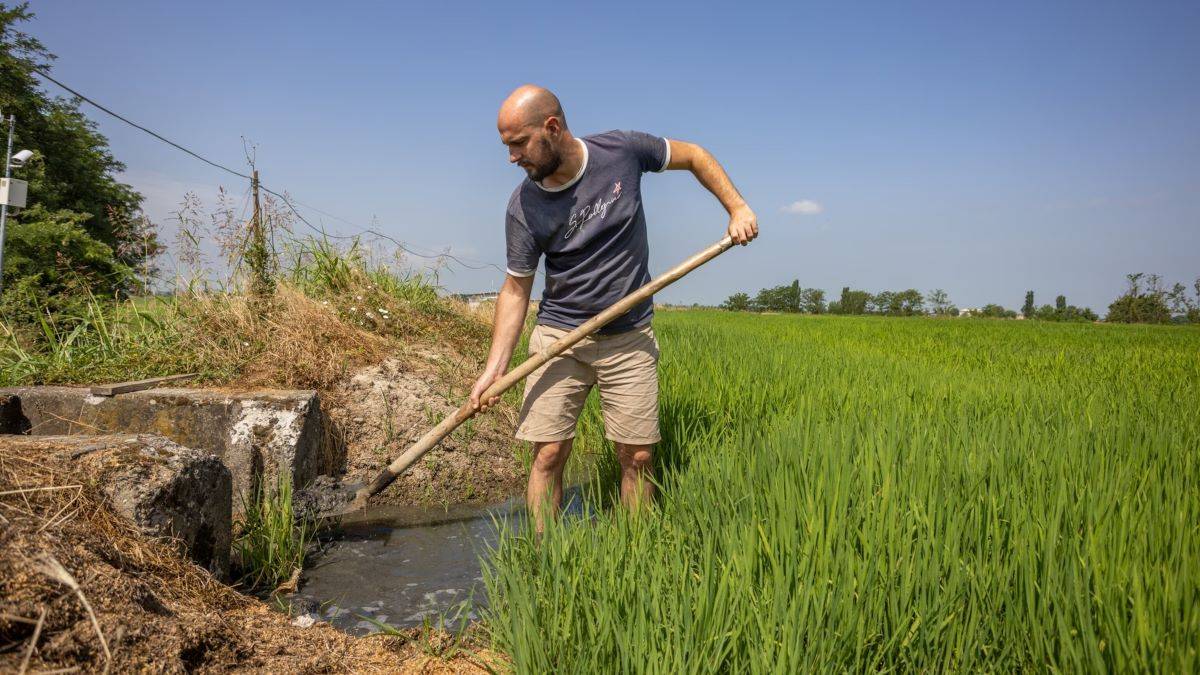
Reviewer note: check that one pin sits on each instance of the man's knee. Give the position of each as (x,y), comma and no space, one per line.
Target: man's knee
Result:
(551,456)
(637,457)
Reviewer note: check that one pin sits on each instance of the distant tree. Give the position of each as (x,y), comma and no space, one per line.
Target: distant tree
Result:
(1028,308)
(1044,313)
(996,312)
(851,302)
(1061,311)
(911,301)
(738,302)
(939,303)
(778,299)
(1138,305)
(881,302)
(1184,308)
(908,302)
(812,300)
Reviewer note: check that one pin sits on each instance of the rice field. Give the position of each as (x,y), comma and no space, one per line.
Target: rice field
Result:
(878,494)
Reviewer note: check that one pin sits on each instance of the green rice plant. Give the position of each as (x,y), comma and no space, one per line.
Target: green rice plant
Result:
(272,541)
(870,494)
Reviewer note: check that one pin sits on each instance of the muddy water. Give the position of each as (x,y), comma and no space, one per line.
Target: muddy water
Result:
(403,566)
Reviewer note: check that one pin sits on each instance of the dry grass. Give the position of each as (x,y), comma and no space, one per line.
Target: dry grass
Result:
(155,610)
(331,312)
(295,341)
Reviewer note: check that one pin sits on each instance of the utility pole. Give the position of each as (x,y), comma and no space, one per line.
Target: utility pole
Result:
(257,255)
(12,123)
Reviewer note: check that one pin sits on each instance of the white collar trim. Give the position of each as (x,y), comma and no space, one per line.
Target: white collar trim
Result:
(578,174)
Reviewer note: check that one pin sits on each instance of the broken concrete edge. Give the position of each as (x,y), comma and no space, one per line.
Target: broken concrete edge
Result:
(11,419)
(260,435)
(166,489)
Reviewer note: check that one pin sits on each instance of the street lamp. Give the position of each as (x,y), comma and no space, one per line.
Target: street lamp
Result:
(12,192)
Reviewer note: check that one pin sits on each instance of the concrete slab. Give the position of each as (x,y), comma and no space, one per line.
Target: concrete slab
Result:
(257,434)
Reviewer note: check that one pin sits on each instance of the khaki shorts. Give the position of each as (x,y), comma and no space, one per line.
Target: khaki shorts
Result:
(625,368)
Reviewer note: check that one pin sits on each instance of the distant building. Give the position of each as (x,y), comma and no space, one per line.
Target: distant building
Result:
(473,300)
(968,311)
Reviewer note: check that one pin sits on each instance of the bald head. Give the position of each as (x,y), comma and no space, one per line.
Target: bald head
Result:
(529,105)
(531,123)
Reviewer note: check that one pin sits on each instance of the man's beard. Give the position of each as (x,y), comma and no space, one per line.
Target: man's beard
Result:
(553,160)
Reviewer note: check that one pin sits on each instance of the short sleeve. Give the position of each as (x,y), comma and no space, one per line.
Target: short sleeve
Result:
(523,251)
(653,152)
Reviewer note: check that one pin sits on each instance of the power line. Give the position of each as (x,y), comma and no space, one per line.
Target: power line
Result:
(376,233)
(286,200)
(135,125)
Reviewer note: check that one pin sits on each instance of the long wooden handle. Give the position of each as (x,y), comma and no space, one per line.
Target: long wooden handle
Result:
(467,411)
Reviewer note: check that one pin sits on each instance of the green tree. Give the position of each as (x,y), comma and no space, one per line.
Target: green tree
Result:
(1028,308)
(738,302)
(882,302)
(812,300)
(1185,308)
(72,179)
(939,303)
(785,298)
(1140,305)
(851,302)
(996,312)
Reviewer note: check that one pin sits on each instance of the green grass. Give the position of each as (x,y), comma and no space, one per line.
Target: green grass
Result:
(271,542)
(887,495)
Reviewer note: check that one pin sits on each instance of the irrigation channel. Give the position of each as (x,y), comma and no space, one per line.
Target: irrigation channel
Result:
(404,565)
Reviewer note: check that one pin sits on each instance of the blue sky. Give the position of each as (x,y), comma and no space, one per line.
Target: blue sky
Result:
(983,150)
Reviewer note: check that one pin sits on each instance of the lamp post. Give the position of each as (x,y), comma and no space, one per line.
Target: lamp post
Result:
(10,160)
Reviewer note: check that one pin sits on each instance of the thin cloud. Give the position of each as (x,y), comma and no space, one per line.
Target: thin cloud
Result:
(804,207)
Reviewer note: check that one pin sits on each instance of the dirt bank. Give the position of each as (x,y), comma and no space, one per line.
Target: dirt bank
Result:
(382,409)
(81,587)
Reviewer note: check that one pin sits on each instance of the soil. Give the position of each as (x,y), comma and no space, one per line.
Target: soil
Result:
(382,409)
(155,611)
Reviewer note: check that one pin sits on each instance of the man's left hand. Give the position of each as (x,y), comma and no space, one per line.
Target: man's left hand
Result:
(743,225)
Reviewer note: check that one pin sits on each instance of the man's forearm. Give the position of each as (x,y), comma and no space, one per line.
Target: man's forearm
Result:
(509,320)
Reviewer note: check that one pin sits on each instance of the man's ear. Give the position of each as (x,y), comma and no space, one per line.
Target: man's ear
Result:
(553,126)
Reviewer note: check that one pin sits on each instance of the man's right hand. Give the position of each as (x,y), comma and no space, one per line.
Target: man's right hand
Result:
(485,380)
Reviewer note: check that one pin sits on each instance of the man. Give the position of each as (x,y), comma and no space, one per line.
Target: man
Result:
(580,206)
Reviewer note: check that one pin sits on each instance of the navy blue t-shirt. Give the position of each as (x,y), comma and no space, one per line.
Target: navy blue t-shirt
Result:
(592,231)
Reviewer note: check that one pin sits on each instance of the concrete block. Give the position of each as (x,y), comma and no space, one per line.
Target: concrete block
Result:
(257,434)
(166,489)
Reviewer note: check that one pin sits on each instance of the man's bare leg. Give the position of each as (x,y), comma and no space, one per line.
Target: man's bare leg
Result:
(545,492)
(637,468)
